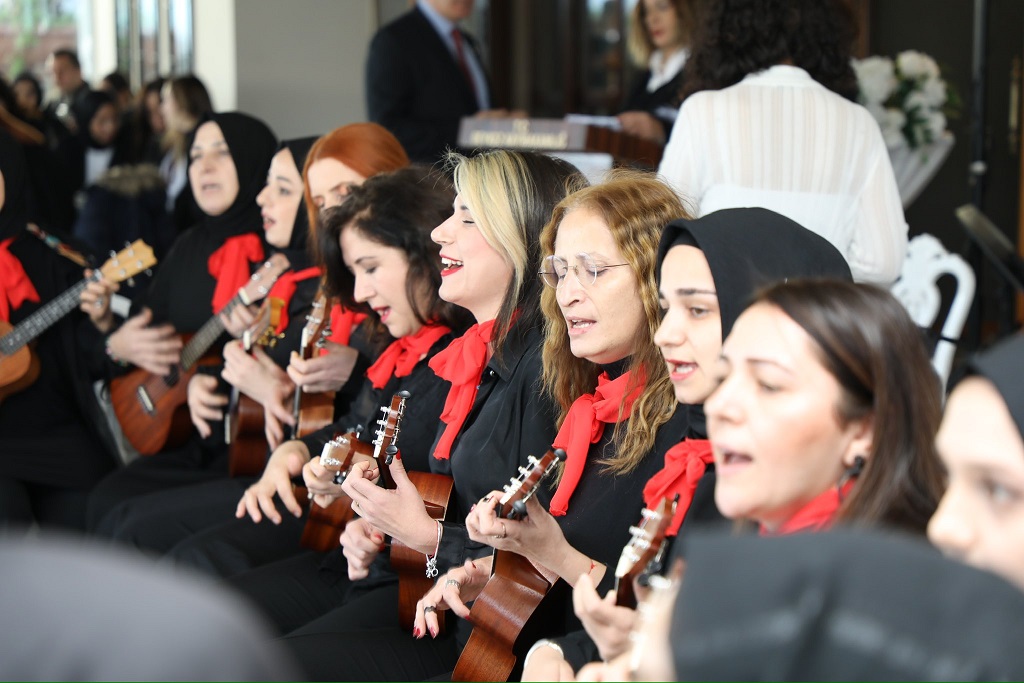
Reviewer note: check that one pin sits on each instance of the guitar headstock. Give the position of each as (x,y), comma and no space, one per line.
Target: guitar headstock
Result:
(520,489)
(263,279)
(386,440)
(644,551)
(130,261)
(317,327)
(261,331)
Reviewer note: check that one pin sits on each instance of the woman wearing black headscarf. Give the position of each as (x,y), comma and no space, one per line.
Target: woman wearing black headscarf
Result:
(52,441)
(230,155)
(709,269)
(980,519)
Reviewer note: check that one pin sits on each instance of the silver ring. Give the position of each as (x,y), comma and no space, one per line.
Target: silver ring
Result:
(453,582)
(429,608)
(504,531)
(99,302)
(309,495)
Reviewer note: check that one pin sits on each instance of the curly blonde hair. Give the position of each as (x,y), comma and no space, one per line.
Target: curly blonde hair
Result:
(636,207)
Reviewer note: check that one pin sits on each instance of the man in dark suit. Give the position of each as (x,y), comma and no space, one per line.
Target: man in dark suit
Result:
(423,74)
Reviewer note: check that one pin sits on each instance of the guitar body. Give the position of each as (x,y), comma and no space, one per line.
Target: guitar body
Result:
(17,371)
(153,410)
(436,491)
(247,442)
(500,614)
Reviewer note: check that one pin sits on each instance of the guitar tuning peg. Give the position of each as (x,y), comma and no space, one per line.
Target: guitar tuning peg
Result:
(149,272)
(518,509)
(131,281)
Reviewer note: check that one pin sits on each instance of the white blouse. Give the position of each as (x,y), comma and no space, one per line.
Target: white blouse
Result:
(782,141)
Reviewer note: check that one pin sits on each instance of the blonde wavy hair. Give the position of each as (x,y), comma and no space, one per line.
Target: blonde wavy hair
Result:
(636,207)
(511,195)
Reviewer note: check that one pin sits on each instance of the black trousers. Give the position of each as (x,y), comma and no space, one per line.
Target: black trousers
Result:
(234,546)
(362,642)
(190,464)
(22,503)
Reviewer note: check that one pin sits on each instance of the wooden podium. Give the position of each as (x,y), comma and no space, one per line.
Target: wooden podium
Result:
(558,135)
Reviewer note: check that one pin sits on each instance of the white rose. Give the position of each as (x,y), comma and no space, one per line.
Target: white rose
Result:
(876,77)
(936,124)
(914,64)
(917,100)
(934,91)
(892,127)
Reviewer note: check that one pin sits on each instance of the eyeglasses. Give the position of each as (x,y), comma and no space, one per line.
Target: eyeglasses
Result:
(585,269)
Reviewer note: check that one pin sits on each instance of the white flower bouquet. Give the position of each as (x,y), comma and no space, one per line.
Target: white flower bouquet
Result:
(908,97)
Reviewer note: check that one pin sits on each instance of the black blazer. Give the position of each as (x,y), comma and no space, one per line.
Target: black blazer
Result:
(414,86)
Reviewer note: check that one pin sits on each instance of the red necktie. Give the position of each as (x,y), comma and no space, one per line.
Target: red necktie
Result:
(403,354)
(584,425)
(685,464)
(460,58)
(16,287)
(230,266)
(462,364)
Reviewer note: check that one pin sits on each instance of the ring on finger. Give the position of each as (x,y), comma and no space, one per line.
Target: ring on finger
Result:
(504,531)
(429,608)
(453,582)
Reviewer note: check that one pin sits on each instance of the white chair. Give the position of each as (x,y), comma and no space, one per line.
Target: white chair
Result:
(917,289)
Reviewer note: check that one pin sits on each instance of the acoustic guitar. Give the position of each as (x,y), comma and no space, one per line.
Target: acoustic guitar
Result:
(244,419)
(19,367)
(513,592)
(151,408)
(644,554)
(314,411)
(325,524)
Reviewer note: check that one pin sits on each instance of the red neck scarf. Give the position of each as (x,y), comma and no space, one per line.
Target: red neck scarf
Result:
(818,515)
(343,321)
(584,425)
(284,289)
(14,283)
(462,364)
(685,464)
(229,265)
(403,354)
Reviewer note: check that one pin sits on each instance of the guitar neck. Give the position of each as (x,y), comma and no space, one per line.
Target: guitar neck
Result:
(40,321)
(202,340)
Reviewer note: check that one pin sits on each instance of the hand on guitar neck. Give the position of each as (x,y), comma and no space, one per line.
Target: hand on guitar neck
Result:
(327,372)
(323,475)
(238,319)
(398,512)
(95,302)
(154,349)
(536,537)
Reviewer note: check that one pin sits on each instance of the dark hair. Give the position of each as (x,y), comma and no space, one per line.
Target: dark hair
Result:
(741,37)
(638,40)
(8,100)
(37,88)
(143,130)
(117,82)
(867,341)
(397,209)
(192,98)
(68,54)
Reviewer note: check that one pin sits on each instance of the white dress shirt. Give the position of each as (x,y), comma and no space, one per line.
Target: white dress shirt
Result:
(782,141)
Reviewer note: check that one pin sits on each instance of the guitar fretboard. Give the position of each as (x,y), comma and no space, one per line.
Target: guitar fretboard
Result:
(202,340)
(40,321)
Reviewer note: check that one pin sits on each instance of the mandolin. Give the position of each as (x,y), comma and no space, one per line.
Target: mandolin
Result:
(643,555)
(19,367)
(243,418)
(513,592)
(151,408)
